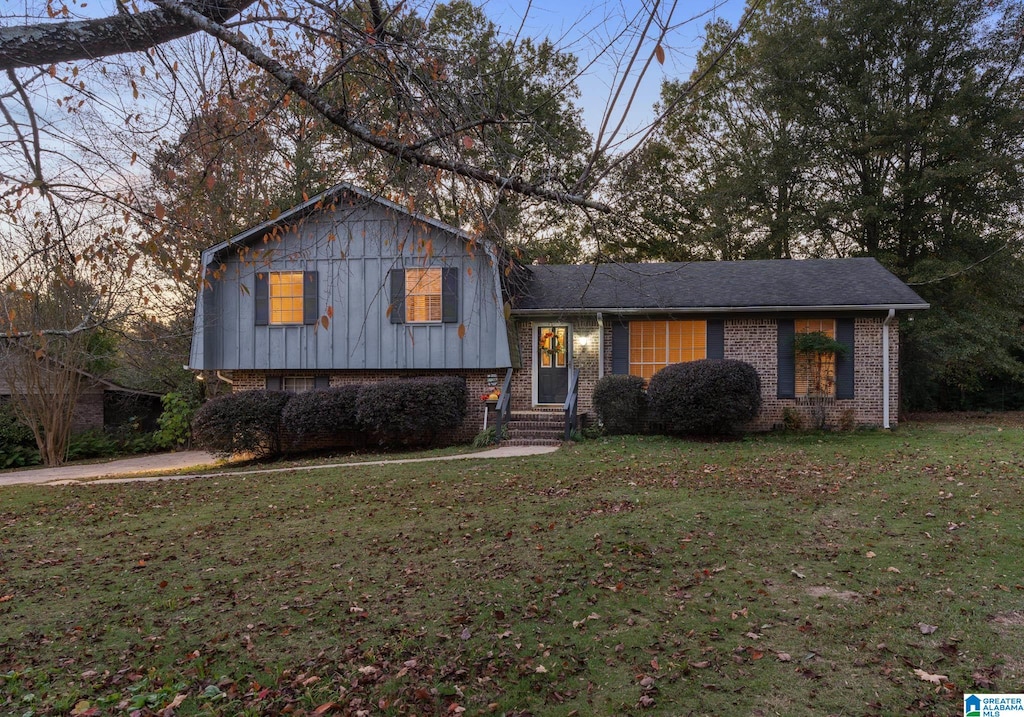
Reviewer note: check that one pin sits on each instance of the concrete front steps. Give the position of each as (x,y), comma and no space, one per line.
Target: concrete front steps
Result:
(535,428)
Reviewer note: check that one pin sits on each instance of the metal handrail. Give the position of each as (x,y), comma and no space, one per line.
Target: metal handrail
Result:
(503,408)
(571,399)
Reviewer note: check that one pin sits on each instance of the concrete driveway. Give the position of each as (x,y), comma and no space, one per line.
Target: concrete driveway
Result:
(123,467)
(123,470)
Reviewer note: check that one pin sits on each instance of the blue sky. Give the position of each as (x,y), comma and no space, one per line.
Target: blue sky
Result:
(606,31)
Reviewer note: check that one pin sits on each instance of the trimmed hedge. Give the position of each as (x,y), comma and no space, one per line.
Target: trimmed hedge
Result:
(324,415)
(244,422)
(712,397)
(620,403)
(412,410)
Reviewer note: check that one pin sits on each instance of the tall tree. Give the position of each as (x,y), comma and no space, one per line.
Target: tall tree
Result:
(890,129)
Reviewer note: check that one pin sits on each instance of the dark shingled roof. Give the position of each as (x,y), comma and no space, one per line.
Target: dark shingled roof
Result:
(860,283)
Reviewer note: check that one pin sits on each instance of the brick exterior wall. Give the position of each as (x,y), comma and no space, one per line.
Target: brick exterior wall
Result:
(583,357)
(476,385)
(755,341)
(88,414)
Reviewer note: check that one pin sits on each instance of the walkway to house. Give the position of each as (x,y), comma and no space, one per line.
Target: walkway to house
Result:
(128,469)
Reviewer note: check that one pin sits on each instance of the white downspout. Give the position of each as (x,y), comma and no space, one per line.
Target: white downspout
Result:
(600,345)
(885,368)
(224,378)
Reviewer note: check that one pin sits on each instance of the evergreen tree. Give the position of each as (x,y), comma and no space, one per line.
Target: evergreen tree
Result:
(864,127)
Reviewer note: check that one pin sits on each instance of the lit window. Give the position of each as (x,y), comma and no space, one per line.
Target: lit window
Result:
(815,373)
(653,345)
(297,384)
(422,295)
(286,297)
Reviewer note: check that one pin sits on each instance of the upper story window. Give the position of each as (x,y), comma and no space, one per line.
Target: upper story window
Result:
(653,345)
(286,297)
(815,373)
(422,295)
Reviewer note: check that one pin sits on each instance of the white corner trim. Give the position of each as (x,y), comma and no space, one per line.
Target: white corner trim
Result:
(886,369)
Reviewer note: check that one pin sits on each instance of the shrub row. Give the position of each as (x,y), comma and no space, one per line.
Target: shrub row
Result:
(711,397)
(411,411)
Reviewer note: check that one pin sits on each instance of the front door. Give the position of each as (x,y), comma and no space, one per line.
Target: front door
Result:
(552,363)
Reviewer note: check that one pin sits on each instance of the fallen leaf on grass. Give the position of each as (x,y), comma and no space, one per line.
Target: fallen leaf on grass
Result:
(869,554)
(700,665)
(5,598)
(178,699)
(926,629)
(928,677)
(541,669)
(797,574)
(784,656)
(891,569)
(323,709)
(84,708)
(646,701)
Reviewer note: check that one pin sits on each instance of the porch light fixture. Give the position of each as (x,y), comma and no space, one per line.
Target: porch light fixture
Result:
(583,341)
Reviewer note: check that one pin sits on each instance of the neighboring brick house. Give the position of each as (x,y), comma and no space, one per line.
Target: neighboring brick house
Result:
(349,287)
(105,404)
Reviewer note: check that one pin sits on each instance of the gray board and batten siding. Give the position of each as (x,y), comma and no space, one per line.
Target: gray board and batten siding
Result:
(349,247)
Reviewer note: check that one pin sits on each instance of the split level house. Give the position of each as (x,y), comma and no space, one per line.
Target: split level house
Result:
(349,287)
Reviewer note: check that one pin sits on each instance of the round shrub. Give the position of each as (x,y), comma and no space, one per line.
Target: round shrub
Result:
(323,415)
(620,403)
(412,410)
(244,422)
(712,397)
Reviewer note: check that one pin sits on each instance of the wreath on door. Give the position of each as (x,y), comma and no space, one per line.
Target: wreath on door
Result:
(551,344)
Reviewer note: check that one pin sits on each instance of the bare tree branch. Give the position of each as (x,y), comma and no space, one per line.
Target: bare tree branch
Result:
(49,43)
(402,151)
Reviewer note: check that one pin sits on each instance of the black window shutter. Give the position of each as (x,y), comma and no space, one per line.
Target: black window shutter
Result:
(397,279)
(262,295)
(310,289)
(273,383)
(844,364)
(450,295)
(786,359)
(716,339)
(620,347)
(322,382)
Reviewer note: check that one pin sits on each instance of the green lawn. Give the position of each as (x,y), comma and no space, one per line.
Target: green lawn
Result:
(788,575)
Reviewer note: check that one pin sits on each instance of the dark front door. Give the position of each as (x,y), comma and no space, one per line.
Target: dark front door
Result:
(552,363)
